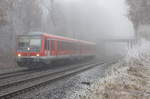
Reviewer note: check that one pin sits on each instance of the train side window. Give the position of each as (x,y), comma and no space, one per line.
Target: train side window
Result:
(72,45)
(59,45)
(47,44)
(52,44)
(64,46)
(67,45)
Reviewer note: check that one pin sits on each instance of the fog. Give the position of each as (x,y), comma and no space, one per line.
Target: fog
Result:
(89,20)
(94,19)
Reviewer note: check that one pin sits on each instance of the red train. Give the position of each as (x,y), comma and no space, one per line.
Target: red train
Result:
(45,48)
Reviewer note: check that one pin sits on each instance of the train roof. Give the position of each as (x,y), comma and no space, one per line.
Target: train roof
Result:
(57,37)
(67,38)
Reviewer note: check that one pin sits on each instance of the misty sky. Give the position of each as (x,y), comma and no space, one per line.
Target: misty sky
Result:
(118,12)
(101,18)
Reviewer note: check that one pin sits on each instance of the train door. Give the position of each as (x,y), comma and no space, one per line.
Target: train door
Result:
(56,47)
(47,47)
(52,46)
(60,52)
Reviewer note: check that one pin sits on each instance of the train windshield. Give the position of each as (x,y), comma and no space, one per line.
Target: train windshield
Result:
(32,44)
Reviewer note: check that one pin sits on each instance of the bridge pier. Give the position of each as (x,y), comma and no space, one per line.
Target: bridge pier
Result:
(131,43)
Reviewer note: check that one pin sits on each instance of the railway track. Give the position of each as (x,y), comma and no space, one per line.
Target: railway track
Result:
(23,72)
(13,85)
(16,73)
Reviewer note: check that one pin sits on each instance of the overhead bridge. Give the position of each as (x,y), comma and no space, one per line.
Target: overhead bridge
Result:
(130,42)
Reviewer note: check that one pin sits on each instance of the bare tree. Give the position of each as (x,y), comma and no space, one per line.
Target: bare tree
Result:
(139,12)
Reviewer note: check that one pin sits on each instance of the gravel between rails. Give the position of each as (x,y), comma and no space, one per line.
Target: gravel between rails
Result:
(65,87)
(46,77)
(31,75)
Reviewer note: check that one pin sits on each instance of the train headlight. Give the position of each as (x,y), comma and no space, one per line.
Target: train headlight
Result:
(19,55)
(37,54)
(28,49)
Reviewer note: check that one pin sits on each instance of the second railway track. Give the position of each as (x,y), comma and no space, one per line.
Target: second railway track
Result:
(14,85)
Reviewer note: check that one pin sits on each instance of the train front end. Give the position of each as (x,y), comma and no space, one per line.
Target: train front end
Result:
(29,50)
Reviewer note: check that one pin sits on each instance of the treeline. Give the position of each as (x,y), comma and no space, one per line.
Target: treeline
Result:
(139,12)
(51,16)
(23,16)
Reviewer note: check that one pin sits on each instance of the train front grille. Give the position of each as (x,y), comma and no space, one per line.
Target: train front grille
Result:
(27,59)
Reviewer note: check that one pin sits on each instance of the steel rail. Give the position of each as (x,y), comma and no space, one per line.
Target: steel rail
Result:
(25,71)
(27,76)
(14,87)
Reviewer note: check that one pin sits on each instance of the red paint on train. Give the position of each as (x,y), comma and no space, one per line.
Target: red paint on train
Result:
(51,45)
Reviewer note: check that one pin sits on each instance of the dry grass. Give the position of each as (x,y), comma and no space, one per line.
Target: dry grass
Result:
(129,83)
(127,79)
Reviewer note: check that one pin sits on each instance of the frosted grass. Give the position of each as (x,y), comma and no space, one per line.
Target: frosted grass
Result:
(127,79)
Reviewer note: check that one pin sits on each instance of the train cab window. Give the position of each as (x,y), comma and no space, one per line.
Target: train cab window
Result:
(33,43)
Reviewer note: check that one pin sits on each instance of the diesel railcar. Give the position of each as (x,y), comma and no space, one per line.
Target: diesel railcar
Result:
(45,48)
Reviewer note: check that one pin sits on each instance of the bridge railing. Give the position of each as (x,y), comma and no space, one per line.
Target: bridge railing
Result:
(130,42)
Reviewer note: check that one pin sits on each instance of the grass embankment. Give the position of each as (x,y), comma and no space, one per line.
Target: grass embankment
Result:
(127,79)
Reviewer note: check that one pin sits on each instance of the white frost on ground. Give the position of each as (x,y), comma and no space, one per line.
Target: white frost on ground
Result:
(127,79)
